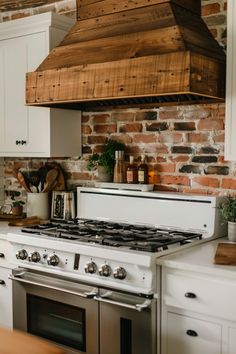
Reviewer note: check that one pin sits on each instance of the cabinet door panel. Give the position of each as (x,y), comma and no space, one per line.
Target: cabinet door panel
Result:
(189,335)
(232,340)
(21,55)
(5,299)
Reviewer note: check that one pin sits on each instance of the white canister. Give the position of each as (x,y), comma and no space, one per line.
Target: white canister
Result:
(38,205)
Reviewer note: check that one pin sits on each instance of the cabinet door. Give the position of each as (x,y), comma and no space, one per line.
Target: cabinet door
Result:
(21,129)
(5,299)
(187,335)
(232,340)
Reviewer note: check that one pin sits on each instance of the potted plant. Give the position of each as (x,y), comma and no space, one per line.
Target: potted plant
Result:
(228,212)
(17,207)
(105,161)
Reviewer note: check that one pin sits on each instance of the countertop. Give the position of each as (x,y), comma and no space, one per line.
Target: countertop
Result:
(4,229)
(199,258)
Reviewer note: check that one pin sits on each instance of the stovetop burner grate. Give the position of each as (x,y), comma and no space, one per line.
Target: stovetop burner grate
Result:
(129,236)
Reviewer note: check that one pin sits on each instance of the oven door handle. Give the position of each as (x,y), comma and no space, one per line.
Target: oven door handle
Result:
(137,307)
(86,295)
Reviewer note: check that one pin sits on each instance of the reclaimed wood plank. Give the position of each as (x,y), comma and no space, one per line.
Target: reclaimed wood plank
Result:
(99,8)
(115,48)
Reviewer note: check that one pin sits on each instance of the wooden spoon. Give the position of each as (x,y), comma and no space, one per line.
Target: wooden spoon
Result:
(50,180)
(21,179)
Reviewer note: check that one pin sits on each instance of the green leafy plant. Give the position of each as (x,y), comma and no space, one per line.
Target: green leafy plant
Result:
(107,158)
(228,209)
(17,203)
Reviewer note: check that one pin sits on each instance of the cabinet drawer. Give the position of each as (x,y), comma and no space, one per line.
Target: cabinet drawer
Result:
(4,253)
(200,294)
(189,335)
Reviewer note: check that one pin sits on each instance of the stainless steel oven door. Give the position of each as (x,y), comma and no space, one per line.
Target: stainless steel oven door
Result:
(127,323)
(60,310)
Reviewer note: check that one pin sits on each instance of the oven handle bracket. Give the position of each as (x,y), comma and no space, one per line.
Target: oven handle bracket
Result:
(86,295)
(137,307)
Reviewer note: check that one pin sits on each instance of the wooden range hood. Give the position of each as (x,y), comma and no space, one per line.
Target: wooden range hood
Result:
(131,53)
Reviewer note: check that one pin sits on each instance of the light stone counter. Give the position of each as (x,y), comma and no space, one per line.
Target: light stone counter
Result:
(200,259)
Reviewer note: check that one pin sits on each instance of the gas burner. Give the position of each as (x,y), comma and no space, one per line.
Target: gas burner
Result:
(112,234)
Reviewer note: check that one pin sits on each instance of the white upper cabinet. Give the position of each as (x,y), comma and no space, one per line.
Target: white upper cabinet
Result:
(230,124)
(33,131)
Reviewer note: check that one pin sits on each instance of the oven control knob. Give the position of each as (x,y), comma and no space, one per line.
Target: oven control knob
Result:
(53,260)
(119,273)
(90,267)
(34,257)
(21,254)
(105,270)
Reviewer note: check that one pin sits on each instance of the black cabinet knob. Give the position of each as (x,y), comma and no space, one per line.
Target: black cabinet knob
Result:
(2,255)
(191,333)
(190,295)
(21,142)
(2,282)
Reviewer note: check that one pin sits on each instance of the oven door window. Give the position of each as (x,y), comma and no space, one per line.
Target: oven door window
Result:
(61,323)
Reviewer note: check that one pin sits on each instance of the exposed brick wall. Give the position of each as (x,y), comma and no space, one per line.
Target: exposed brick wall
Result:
(184,145)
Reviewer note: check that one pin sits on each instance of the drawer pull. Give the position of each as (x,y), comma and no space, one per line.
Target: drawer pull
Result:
(2,282)
(190,295)
(191,333)
(2,255)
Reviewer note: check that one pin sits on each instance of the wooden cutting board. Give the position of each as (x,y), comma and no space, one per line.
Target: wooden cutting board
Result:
(10,217)
(33,220)
(225,254)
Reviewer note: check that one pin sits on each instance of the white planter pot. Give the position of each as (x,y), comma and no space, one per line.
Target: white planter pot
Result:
(232,231)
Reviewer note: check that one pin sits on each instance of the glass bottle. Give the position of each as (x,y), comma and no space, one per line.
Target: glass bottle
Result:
(143,171)
(131,172)
(119,167)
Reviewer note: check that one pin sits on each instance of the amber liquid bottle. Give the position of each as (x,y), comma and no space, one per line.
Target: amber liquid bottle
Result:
(143,171)
(131,172)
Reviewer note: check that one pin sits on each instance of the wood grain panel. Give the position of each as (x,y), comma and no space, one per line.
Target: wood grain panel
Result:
(115,48)
(151,75)
(131,21)
(88,9)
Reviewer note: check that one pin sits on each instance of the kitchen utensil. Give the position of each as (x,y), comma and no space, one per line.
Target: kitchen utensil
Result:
(225,254)
(33,220)
(50,180)
(34,180)
(42,176)
(61,183)
(22,181)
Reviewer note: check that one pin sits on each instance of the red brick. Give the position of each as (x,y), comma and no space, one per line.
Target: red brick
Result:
(86,129)
(123,117)
(170,138)
(180,158)
(197,137)
(123,138)
(179,180)
(211,124)
(81,175)
(207,181)
(85,119)
(105,128)
(228,183)
(144,138)
(131,128)
(166,113)
(219,138)
(210,9)
(97,139)
(166,167)
(101,118)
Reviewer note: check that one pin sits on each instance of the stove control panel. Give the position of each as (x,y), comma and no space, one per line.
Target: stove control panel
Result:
(107,269)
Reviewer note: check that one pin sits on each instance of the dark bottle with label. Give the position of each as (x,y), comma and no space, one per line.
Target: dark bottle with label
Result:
(143,171)
(131,172)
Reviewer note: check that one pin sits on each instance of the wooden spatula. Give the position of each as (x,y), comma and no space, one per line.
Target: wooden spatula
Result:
(50,180)
(21,179)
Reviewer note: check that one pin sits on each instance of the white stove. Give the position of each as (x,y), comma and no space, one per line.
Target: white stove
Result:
(91,285)
(117,236)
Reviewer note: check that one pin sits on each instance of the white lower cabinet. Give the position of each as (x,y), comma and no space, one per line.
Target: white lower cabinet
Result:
(5,299)
(198,313)
(188,335)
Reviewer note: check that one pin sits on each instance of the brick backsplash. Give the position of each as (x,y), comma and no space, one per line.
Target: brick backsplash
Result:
(184,145)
